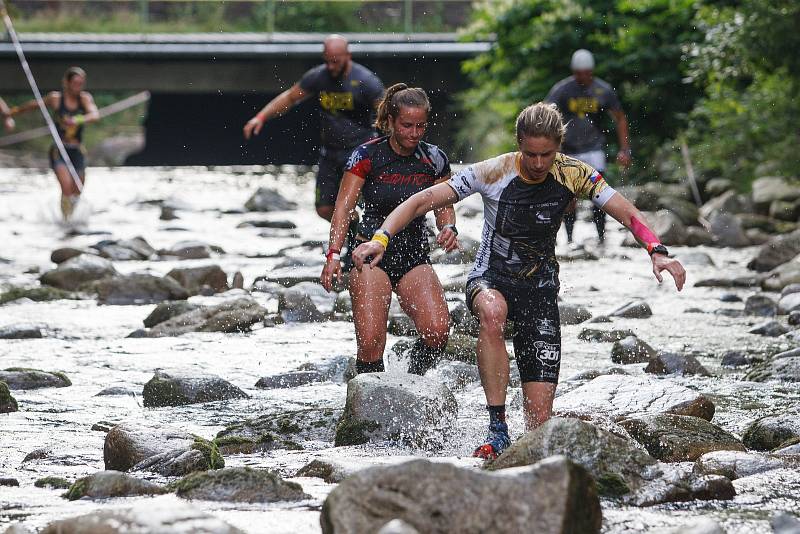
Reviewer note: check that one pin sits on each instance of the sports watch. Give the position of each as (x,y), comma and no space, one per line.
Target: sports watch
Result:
(659,249)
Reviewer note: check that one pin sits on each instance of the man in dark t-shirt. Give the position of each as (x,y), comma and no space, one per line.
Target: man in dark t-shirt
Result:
(347,93)
(583,100)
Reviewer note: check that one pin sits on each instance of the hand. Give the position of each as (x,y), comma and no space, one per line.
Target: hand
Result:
(447,240)
(672,266)
(364,251)
(253,127)
(332,269)
(9,124)
(624,158)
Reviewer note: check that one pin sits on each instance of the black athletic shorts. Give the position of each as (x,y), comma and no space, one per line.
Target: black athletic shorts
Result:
(400,258)
(76,155)
(537,324)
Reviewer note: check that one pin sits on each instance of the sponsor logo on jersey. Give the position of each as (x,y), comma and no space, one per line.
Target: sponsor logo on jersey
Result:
(334,101)
(547,353)
(405,179)
(595,177)
(354,158)
(546,327)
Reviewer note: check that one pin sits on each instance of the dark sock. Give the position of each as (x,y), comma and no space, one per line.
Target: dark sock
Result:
(422,357)
(497,414)
(569,224)
(369,367)
(599,217)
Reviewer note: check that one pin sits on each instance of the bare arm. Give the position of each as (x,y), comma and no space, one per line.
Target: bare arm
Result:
(624,154)
(446,217)
(274,108)
(631,218)
(5,113)
(342,214)
(92,114)
(438,196)
(50,101)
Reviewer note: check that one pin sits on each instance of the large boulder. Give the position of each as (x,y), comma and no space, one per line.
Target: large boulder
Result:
(313,427)
(164,517)
(679,438)
(621,397)
(782,276)
(621,470)
(129,445)
(239,484)
(556,495)
(733,464)
(306,302)
(24,378)
(8,403)
(667,226)
(404,407)
(728,203)
(178,389)
(266,199)
(669,363)
(106,484)
(761,305)
(772,431)
(788,304)
(768,189)
(775,252)
(135,289)
(235,315)
(631,350)
(727,231)
(685,210)
(76,271)
(573,313)
(167,310)
(197,280)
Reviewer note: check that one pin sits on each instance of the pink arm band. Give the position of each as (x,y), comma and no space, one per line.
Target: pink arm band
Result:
(643,234)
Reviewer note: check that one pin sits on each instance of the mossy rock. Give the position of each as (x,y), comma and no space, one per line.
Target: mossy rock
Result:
(37,294)
(210,451)
(26,378)
(238,484)
(612,485)
(53,482)
(278,431)
(8,403)
(107,484)
(174,389)
(351,431)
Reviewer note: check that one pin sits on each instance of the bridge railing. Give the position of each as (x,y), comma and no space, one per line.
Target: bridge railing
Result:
(168,16)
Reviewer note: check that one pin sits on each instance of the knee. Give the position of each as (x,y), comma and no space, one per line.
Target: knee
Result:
(493,317)
(435,335)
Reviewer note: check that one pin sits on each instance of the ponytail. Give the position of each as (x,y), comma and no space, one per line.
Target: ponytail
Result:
(397,96)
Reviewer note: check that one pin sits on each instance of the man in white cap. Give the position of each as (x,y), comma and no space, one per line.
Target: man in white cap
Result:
(582,100)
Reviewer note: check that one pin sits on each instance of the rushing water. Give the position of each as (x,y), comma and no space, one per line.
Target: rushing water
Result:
(88,343)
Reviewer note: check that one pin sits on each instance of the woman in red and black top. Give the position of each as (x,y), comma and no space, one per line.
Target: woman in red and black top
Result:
(386,171)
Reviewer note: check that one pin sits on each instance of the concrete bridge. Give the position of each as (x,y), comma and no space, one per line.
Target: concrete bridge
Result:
(205,86)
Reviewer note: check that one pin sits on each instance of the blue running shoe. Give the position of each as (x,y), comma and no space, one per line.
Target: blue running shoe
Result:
(497,441)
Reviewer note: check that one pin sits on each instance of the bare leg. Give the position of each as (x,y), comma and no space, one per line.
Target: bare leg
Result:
(537,403)
(69,190)
(492,310)
(371,293)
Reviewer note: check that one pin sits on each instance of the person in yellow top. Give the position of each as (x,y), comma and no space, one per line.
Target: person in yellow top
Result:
(72,108)
(525,196)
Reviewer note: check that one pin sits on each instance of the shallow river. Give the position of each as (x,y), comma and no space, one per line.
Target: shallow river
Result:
(88,342)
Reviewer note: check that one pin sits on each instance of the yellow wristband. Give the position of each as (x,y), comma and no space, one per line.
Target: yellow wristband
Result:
(381,238)
(79,119)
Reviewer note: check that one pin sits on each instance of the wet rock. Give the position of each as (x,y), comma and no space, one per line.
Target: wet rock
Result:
(396,407)
(792,450)
(770,432)
(628,396)
(717,186)
(433,497)
(669,363)
(36,294)
(700,525)
(272,224)
(167,310)
(730,297)
(265,199)
(727,231)
(306,302)
(53,483)
(235,315)
(401,325)
(76,271)
(789,303)
(727,203)
(735,358)
(9,482)
(756,236)
(794,318)
(604,336)
(106,484)
(8,403)
(667,226)
(239,484)
(591,374)
(785,523)
(741,281)
(691,257)
(135,289)
(290,380)
(768,189)
(195,279)
(103,426)
(20,332)
(397,526)
(462,256)
(168,213)
(188,250)
(783,210)
(775,252)
(164,517)
(23,378)
(785,369)
(458,375)
(600,319)
(696,236)
(178,389)
(135,249)
(760,305)
(573,313)
(620,469)
(279,431)
(733,464)
(128,445)
(60,255)
(238,280)
(782,276)
(631,350)
(769,329)
(685,210)
(679,438)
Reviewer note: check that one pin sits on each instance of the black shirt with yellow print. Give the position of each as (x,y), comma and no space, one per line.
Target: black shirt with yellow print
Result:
(346,104)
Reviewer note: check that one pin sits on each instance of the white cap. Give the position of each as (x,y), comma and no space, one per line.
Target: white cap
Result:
(582,60)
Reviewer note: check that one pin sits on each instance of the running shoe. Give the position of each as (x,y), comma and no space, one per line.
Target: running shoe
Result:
(497,441)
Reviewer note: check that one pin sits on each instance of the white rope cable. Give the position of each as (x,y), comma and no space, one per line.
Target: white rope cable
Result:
(32,82)
(116,107)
